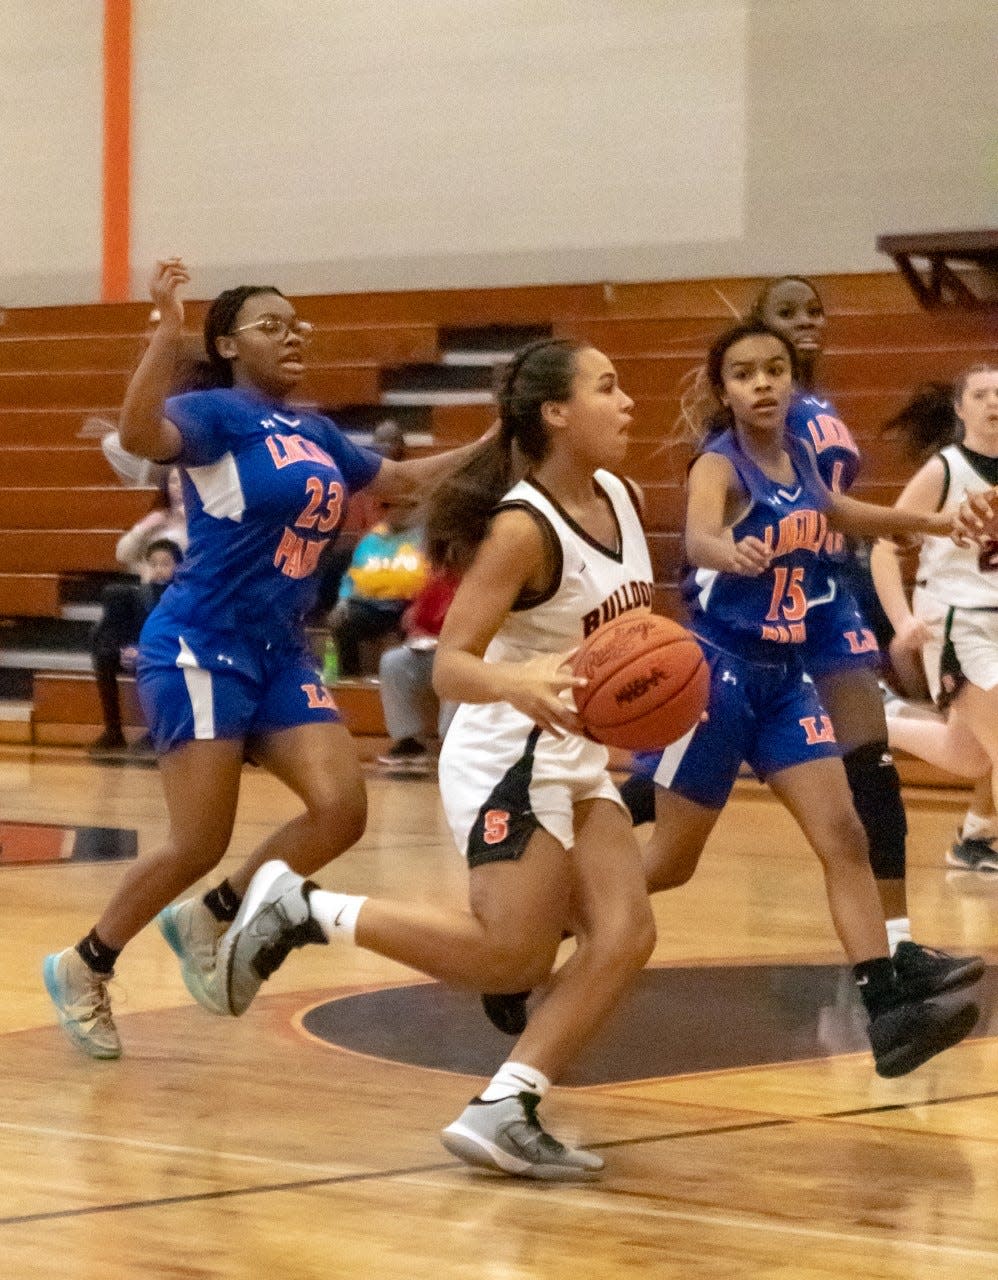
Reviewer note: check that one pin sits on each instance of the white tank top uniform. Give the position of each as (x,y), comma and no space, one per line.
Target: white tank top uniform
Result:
(956,595)
(501,777)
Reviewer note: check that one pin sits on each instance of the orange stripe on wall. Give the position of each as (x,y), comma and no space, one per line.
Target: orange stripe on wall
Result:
(117,149)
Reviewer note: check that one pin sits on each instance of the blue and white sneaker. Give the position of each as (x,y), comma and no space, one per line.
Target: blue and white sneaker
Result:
(972,855)
(82,1003)
(193,935)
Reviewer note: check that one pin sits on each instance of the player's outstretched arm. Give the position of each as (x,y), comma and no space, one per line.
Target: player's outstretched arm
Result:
(868,520)
(418,475)
(712,490)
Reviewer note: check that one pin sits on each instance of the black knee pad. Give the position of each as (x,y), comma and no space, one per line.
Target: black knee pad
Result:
(876,793)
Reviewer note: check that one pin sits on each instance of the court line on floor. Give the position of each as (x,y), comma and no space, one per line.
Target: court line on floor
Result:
(655,1208)
(374,1175)
(169,1148)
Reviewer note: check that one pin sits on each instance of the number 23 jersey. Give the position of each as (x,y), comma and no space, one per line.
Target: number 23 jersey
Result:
(265,490)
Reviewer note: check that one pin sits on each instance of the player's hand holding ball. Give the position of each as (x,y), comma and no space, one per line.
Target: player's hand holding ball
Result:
(537,687)
(977,518)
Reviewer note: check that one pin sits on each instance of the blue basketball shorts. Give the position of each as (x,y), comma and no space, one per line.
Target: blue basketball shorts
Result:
(767,716)
(838,636)
(198,684)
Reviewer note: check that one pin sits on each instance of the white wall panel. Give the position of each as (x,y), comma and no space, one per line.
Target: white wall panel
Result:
(362,134)
(50,155)
(329,145)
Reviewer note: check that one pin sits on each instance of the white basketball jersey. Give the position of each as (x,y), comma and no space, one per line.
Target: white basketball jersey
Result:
(495,763)
(592,585)
(952,576)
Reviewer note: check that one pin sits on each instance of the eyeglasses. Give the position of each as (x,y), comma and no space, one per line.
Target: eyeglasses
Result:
(275,327)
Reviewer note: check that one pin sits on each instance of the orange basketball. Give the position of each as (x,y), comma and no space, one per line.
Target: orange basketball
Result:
(648,682)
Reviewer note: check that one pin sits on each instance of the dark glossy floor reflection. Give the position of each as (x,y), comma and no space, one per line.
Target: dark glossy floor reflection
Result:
(676,1021)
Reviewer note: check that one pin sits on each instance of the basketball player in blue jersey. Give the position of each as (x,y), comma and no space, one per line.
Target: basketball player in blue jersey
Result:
(528,797)
(223,664)
(758,519)
(841,653)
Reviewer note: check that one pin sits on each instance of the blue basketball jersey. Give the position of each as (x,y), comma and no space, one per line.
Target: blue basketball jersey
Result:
(816,422)
(758,616)
(265,489)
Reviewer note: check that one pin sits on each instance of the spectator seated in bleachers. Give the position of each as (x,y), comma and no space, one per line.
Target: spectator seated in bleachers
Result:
(167,520)
(113,642)
(387,570)
(412,711)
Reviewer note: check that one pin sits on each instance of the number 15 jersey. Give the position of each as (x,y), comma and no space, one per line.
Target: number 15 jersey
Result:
(759,617)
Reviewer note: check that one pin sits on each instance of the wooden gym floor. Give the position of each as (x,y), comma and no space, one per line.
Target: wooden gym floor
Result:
(745,1132)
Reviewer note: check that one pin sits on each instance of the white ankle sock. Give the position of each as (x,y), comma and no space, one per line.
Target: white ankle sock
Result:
(898,930)
(976,827)
(336,912)
(513,1078)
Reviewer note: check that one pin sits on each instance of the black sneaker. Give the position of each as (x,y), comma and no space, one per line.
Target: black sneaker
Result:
(972,855)
(925,971)
(507,1012)
(905,1036)
(407,756)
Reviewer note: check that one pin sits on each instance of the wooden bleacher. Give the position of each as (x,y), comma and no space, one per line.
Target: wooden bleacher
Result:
(61,509)
(960,267)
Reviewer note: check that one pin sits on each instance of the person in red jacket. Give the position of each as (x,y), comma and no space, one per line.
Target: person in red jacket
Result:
(406,676)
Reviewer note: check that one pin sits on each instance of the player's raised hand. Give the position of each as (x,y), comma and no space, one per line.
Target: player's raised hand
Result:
(164,284)
(750,557)
(536,690)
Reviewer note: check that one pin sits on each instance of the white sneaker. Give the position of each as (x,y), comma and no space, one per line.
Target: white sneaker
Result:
(506,1136)
(274,919)
(193,934)
(82,1003)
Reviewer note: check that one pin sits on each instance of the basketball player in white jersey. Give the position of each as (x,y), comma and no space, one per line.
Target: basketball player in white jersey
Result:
(528,798)
(953,616)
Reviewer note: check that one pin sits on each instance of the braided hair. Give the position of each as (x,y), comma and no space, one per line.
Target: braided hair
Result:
(461,507)
(218,322)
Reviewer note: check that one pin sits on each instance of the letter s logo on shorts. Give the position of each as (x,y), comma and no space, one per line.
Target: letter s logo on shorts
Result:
(496,824)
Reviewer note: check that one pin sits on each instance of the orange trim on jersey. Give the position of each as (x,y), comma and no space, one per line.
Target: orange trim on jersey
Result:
(116,176)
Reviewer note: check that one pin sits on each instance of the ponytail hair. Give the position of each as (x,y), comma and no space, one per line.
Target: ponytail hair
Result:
(461,507)
(929,422)
(700,416)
